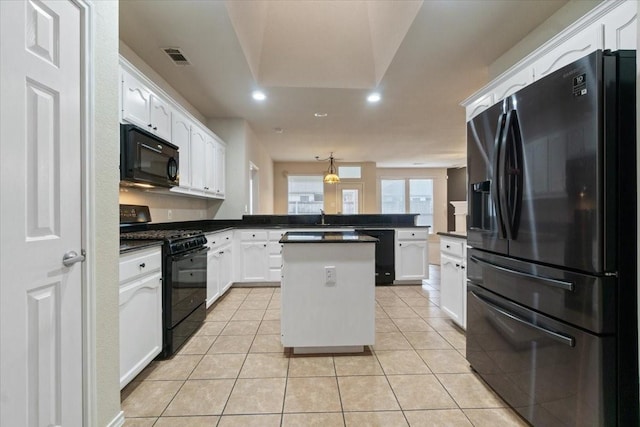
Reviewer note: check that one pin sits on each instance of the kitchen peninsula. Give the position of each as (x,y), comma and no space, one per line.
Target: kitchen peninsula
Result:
(328,291)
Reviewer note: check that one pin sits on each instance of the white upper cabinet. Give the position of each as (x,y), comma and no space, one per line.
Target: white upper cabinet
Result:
(210,163)
(620,27)
(515,83)
(160,117)
(572,49)
(198,149)
(144,108)
(202,160)
(136,101)
(610,25)
(181,136)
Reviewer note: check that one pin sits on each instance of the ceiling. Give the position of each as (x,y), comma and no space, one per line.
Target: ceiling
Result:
(322,56)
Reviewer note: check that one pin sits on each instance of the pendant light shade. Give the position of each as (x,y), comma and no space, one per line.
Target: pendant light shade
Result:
(331,177)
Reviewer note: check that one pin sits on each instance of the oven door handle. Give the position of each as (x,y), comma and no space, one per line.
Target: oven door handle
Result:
(561,338)
(190,253)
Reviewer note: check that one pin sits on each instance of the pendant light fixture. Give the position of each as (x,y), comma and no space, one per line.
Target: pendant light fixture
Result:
(331,177)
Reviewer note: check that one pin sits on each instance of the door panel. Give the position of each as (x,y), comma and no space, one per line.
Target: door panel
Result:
(482,224)
(41,148)
(350,198)
(562,206)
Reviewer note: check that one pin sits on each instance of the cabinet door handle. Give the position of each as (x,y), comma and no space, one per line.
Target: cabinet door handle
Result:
(221,252)
(143,265)
(265,245)
(399,244)
(150,125)
(448,247)
(462,267)
(155,128)
(253,235)
(457,265)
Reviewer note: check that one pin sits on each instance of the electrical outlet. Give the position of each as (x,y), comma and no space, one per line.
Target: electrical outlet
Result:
(330,275)
(169,214)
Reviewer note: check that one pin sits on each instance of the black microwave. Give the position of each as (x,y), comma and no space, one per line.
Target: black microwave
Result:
(147,159)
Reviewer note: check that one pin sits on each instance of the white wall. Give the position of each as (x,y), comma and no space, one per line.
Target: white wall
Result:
(234,133)
(106,163)
(258,155)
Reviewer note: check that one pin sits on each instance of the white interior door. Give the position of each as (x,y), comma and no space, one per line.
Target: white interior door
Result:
(350,198)
(41,149)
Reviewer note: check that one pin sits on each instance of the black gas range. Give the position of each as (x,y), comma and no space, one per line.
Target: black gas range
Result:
(184,274)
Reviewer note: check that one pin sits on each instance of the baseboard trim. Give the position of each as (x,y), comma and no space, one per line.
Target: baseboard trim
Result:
(255,284)
(118,421)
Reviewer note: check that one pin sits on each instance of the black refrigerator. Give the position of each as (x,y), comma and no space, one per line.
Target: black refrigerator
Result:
(552,289)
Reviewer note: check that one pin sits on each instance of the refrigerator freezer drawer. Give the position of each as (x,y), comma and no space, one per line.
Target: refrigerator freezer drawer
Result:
(551,373)
(579,299)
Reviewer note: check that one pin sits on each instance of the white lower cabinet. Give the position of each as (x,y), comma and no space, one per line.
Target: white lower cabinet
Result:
(226,267)
(412,259)
(140,311)
(219,265)
(253,259)
(453,279)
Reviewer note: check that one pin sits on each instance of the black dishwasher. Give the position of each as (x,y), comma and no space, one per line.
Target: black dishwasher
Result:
(385,254)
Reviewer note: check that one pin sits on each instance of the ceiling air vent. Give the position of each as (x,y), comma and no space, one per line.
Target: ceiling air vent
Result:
(176,55)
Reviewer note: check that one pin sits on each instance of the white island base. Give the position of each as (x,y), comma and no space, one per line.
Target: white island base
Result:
(328,292)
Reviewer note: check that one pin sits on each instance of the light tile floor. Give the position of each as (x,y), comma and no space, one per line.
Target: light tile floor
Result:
(235,372)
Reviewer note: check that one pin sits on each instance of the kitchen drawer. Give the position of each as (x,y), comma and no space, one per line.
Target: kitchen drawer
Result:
(217,239)
(454,247)
(139,263)
(413,234)
(253,235)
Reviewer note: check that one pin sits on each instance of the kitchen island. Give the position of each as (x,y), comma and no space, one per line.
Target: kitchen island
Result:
(328,291)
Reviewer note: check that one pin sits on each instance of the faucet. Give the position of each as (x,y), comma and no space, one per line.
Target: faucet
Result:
(321,216)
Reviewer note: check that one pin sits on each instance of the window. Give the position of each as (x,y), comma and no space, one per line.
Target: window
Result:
(346,172)
(408,195)
(392,195)
(306,194)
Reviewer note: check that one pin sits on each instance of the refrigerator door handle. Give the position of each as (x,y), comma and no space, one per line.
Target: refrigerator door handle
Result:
(561,338)
(504,177)
(512,173)
(567,286)
(496,189)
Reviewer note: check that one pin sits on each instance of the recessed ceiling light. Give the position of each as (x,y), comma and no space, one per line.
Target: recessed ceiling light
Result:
(374,97)
(320,114)
(259,95)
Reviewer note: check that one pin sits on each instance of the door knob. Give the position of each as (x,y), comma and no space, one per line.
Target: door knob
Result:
(71,258)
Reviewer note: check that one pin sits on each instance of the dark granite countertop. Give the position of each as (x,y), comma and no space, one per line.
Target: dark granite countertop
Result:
(285,221)
(135,245)
(455,234)
(327,237)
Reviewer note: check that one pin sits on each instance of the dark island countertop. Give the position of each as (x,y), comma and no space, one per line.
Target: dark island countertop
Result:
(327,237)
